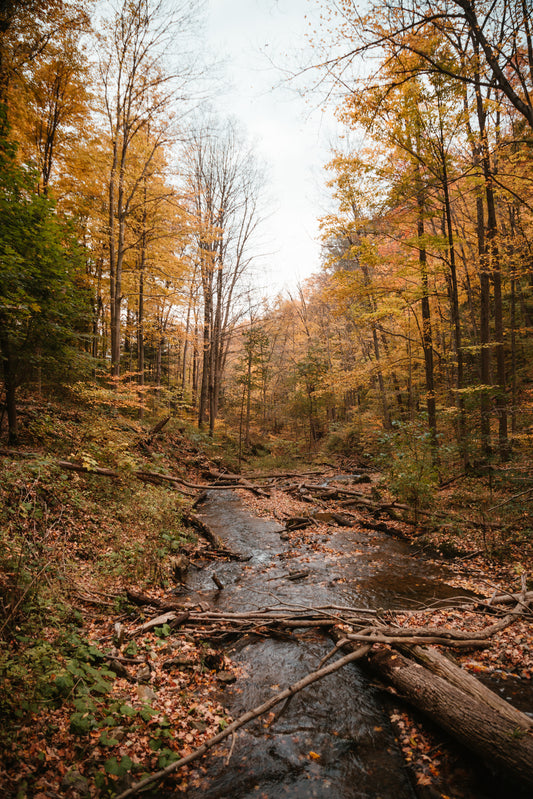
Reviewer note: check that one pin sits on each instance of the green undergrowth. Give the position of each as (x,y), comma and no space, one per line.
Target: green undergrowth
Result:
(66,671)
(66,535)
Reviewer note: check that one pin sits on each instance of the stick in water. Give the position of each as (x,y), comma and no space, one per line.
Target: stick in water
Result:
(244,719)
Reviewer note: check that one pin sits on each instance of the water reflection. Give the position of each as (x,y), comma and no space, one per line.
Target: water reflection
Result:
(333,739)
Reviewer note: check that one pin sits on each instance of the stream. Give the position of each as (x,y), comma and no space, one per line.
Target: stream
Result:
(334,739)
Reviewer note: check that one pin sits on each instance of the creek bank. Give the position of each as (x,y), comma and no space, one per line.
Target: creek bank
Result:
(181,672)
(374,575)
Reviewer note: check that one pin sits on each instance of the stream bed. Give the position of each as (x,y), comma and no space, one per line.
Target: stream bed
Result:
(334,739)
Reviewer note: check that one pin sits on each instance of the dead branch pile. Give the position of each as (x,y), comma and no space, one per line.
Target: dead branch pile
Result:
(416,672)
(363,625)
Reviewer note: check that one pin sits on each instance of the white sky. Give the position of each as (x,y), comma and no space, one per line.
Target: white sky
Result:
(292,138)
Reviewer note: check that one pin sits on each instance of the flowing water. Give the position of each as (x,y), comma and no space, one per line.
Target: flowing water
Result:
(333,740)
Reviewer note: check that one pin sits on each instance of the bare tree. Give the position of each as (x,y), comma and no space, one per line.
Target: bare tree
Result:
(224,184)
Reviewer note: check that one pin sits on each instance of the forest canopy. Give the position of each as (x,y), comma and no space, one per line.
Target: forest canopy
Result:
(130,239)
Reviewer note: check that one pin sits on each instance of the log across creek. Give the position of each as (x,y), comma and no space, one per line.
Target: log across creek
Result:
(256,603)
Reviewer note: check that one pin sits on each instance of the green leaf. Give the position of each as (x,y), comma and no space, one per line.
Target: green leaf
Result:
(131,650)
(82,723)
(166,757)
(147,712)
(107,740)
(112,766)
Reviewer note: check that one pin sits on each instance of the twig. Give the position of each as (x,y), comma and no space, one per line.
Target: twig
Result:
(338,645)
(511,499)
(233,738)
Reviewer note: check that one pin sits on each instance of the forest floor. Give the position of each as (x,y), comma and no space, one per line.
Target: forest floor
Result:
(91,702)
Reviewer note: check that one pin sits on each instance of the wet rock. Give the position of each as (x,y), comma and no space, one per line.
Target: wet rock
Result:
(226,677)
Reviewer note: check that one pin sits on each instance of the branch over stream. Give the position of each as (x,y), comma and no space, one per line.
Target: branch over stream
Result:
(245,718)
(427,679)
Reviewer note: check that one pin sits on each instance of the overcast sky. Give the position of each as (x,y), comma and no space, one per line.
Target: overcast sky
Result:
(289,135)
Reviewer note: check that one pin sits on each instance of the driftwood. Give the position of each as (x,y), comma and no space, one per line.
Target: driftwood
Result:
(358,624)
(244,719)
(509,599)
(431,682)
(325,517)
(284,475)
(171,618)
(298,522)
(236,481)
(219,584)
(137,598)
(427,679)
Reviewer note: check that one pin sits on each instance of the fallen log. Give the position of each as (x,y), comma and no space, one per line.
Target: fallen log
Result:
(444,667)
(298,575)
(510,599)
(158,427)
(171,618)
(500,741)
(136,598)
(298,522)
(230,480)
(393,640)
(73,466)
(281,475)
(219,584)
(159,478)
(194,521)
(145,476)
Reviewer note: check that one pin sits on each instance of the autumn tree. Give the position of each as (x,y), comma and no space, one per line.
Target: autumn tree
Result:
(41,284)
(142,91)
(41,297)
(55,110)
(469,62)
(28,28)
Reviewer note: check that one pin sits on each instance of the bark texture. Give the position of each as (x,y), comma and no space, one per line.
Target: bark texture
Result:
(500,742)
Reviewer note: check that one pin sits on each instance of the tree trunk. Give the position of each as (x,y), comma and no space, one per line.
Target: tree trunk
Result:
(427,335)
(445,667)
(475,724)
(207,343)
(461,429)
(8,371)
(491,265)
